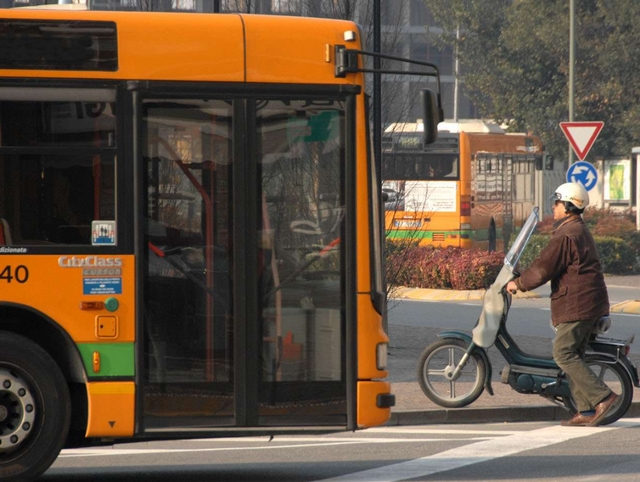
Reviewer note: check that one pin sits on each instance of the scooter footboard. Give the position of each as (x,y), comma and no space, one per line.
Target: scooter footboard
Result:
(481,351)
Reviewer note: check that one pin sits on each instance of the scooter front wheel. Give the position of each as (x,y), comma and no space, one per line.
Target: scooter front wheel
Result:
(618,380)
(437,377)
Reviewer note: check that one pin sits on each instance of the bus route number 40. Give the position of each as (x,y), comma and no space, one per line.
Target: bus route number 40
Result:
(20,273)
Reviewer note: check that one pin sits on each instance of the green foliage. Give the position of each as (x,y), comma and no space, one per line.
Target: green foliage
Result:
(408,264)
(616,255)
(614,232)
(515,65)
(536,243)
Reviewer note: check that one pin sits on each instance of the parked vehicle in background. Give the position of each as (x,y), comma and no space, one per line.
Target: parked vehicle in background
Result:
(469,189)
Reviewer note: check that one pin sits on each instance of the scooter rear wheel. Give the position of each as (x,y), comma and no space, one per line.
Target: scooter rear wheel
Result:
(436,366)
(618,380)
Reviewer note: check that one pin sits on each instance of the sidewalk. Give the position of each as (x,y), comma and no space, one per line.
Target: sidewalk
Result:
(414,408)
(629,306)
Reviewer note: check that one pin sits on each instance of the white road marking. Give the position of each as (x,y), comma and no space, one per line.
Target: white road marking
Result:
(385,440)
(451,431)
(120,452)
(295,441)
(477,452)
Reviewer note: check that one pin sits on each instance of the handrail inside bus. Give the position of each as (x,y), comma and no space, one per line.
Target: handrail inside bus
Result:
(164,254)
(320,254)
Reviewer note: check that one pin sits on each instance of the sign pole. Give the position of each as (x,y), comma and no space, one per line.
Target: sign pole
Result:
(572,61)
(635,157)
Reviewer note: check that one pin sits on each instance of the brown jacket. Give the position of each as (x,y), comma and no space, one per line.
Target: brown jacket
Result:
(570,262)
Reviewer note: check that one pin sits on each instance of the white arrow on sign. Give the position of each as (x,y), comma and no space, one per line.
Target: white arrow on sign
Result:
(581,135)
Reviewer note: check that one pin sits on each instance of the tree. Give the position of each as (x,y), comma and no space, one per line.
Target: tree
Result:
(515,57)
(148,5)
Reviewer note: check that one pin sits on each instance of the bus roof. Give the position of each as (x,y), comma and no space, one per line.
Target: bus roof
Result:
(206,47)
(454,127)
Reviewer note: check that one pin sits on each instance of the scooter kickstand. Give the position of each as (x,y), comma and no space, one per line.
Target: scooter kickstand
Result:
(552,399)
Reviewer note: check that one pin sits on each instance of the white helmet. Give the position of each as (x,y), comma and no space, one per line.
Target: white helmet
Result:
(572,192)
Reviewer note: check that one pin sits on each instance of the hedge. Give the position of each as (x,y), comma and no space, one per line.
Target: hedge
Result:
(441,268)
(617,255)
(615,234)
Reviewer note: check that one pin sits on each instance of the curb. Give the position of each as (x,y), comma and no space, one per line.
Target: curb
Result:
(425,294)
(406,293)
(487,415)
(629,306)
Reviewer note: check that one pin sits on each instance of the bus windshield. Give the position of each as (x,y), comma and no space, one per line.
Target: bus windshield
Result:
(418,166)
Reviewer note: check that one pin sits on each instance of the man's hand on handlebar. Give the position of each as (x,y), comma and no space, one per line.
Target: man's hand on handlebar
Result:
(512,287)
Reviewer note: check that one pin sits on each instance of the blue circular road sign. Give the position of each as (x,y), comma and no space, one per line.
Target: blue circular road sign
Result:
(584,173)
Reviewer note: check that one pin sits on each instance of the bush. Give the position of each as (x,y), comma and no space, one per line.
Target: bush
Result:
(536,243)
(408,264)
(617,255)
(442,268)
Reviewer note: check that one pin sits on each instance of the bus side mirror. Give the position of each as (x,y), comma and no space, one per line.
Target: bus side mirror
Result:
(432,115)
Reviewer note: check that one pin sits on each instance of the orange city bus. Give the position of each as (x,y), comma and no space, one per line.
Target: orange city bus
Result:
(468,190)
(189,231)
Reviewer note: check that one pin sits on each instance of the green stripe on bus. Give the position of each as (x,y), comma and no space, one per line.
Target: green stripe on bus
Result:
(475,234)
(409,234)
(116,359)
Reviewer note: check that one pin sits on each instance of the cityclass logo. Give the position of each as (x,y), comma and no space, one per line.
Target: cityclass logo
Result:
(89,261)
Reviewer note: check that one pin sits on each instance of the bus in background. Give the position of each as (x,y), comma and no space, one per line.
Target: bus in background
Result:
(467,189)
(190,232)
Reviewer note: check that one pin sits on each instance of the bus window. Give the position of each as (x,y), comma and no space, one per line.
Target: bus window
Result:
(188,280)
(57,165)
(301,149)
(420,166)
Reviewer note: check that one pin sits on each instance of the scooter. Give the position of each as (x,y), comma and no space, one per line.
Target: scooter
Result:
(455,370)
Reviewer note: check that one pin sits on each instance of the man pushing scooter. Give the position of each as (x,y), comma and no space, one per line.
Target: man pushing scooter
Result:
(579,299)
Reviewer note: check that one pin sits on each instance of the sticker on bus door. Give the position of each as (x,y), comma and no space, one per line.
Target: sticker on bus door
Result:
(102,286)
(103,233)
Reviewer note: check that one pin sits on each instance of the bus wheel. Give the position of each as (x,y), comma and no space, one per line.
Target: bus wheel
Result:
(492,236)
(34,409)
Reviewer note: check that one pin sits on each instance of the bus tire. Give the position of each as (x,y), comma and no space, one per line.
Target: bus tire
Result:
(492,236)
(35,409)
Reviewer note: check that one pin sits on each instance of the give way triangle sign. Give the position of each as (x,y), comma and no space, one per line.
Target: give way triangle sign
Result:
(581,135)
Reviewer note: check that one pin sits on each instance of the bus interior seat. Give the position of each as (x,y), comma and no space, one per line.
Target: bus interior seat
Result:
(5,233)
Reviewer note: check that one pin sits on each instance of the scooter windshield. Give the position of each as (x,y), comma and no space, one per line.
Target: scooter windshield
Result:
(512,257)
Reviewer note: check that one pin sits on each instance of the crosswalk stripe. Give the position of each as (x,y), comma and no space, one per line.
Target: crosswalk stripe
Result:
(477,452)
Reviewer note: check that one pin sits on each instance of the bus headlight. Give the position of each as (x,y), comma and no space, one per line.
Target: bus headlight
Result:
(382,351)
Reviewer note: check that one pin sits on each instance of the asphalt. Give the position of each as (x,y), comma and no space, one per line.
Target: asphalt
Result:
(506,405)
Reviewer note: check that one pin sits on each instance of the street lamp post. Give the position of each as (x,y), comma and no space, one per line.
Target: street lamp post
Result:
(572,61)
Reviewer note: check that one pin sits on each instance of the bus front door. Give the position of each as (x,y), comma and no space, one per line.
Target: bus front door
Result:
(243,281)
